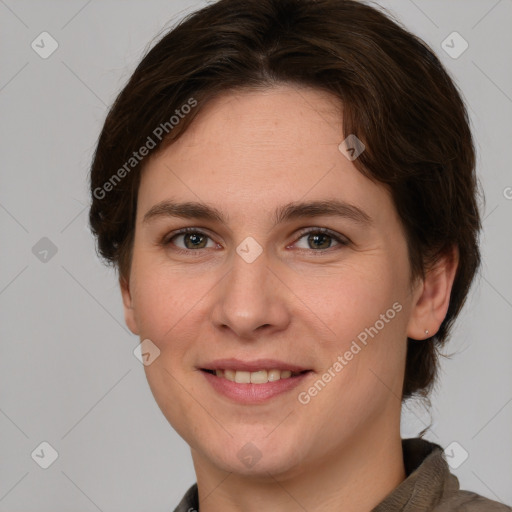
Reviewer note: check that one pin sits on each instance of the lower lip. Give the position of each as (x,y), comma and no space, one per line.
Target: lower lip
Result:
(253,393)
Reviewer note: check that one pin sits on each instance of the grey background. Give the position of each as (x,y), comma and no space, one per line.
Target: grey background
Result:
(67,370)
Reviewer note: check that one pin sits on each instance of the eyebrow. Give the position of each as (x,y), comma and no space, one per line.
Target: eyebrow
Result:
(287,212)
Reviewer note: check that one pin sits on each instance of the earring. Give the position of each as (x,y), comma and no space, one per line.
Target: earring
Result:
(426,332)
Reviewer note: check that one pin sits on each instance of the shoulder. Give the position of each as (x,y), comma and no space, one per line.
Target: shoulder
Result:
(431,486)
(466,501)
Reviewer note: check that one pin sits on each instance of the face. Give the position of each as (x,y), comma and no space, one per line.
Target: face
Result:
(296,262)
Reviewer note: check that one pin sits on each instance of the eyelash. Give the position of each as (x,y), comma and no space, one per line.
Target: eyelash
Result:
(342,241)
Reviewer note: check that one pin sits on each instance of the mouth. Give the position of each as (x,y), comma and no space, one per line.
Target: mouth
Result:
(253,382)
(262,376)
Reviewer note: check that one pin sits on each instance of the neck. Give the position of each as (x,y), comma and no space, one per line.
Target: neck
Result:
(355,478)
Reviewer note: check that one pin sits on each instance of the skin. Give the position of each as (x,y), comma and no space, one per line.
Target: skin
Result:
(246,154)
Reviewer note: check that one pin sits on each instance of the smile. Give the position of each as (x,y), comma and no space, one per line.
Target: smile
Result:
(256,377)
(253,383)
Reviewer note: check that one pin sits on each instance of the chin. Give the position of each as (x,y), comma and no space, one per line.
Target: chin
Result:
(260,459)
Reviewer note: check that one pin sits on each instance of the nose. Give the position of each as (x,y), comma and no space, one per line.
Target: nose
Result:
(251,299)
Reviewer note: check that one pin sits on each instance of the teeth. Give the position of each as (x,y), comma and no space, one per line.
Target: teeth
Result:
(274,375)
(259,377)
(228,374)
(243,377)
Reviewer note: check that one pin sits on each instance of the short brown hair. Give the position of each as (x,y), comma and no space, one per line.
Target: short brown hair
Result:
(397,98)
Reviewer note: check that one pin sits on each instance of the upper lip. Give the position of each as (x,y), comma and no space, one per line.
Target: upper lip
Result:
(252,366)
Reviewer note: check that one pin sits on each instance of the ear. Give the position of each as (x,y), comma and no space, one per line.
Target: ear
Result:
(129,312)
(432,297)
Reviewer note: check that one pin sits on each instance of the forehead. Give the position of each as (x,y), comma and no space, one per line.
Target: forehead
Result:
(288,113)
(260,149)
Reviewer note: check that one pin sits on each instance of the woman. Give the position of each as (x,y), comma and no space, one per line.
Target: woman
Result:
(287,189)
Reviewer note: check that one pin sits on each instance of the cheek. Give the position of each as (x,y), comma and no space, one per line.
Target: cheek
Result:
(363,372)
(366,311)
(163,299)
(342,301)
(357,298)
